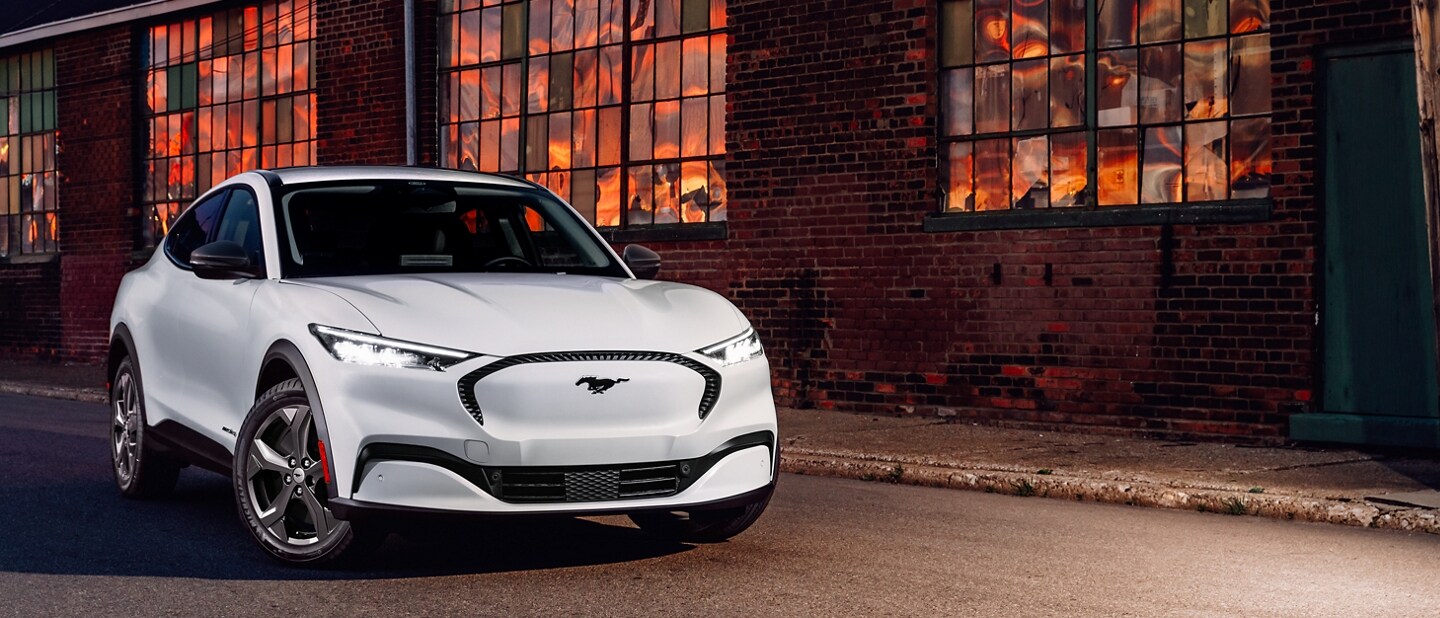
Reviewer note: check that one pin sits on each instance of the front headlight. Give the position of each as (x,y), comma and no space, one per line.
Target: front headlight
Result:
(738,349)
(363,349)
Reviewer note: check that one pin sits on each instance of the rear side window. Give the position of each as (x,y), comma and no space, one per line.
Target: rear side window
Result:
(193,227)
(241,224)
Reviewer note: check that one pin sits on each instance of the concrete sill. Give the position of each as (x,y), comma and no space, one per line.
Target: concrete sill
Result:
(1240,211)
(667,233)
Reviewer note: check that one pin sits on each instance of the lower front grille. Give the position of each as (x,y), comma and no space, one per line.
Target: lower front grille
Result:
(589,484)
(583,484)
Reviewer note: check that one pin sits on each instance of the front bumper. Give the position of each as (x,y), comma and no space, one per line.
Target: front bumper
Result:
(403,439)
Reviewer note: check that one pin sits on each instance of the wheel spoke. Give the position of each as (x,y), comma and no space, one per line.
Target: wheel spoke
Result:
(274,519)
(319,515)
(265,459)
(300,432)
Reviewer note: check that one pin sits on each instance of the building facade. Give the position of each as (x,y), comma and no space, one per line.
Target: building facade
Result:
(1177,218)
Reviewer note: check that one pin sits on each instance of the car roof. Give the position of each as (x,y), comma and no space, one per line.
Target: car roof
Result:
(329,173)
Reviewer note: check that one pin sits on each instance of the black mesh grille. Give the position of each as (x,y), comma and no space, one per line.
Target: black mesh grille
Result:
(551,484)
(707,398)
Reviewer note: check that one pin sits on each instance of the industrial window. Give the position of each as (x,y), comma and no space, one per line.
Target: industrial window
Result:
(225,93)
(28,217)
(618,107)
(1096,103)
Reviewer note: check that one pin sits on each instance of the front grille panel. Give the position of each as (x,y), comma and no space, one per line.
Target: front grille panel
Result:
(588,484)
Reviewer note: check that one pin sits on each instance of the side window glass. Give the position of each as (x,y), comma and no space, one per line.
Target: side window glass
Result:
(193,228)
(241,224)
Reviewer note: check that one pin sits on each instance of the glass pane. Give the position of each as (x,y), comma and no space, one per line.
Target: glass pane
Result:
(470,37)
(992,98)
(957,33)
(1250,59)
(1159,20)
(717,14)
(582,193)
(1250,167)
(470,95)
(585,138)
(612,21)
(717,62)
(1115,23)
(609,136)
(695,66)
(562,25)
(667,17)
(611,63)
(1160,83)
(642,72)
(1249,15)
(717,124)
(585,76)
(490,35)
(694,118)
(1067,91)
(1119,90)
(1205,86)
(667,193)
(587,24)
(1162,177)
(719,193)
(667,70)
(490,146)
(694,195)
(537,130)
(509,144)
(1205,18)
(510,91)
(512,32)
(1031,178)
(490,92)
(694,15)
(559,142)
(1067,26)
(992,174)
(1029,33)
(992,30)
(1205,171)
(1068,154)
(540,27)
(607,199)
(469,146)
(640,195)
(667,129)
(561,81)
(1030,107)
(642,19)
(957,180)
(641,140)
(1116,173)
(539,79)
(958,89)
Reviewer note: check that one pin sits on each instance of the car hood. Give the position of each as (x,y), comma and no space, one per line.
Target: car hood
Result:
(503,314)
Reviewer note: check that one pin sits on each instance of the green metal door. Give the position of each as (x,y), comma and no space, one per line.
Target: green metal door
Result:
(1379,376)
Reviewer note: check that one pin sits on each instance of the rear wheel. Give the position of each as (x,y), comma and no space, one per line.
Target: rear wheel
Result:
(707,526)
(280,485)
(140,470)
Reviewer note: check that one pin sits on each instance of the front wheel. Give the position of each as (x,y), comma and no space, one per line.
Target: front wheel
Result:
(708,526)
(280,485)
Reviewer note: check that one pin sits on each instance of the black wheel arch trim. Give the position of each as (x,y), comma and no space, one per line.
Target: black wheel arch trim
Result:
(479,474)
(287,352)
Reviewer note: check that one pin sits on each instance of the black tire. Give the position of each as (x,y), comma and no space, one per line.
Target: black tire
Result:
(140,470)
(292,503)
(701,526)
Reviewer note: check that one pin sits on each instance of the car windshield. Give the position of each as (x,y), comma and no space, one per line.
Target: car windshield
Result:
(413,226)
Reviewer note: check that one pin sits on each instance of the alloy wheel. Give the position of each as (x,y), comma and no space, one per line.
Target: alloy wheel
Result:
(125,427)
(286,478)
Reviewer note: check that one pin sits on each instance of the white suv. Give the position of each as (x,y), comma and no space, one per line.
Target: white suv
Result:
(355,346)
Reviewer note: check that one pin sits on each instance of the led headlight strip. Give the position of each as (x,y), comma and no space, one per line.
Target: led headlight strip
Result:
(362,349)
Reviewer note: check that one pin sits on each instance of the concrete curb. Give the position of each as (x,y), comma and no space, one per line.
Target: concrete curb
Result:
(90,395)
(1168,495)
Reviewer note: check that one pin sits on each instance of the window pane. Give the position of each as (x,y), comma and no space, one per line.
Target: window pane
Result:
(1161,180)
(1159,20)
(612,21)
(510,92)
(1205,86)
(667,193)
(640,195)
(1115,23)
(512,31)
(695,116)
(585,76)
(992,98)
(694,15)
(559,143)
(585,138)
(490,34)
(717,124)
(1250,167)
(957,179)
(1205,18)
(609,136)
(1067,91)
(642,72)
(561,81)
(1029,34)
(540,27)
(958,89)
(1116,175)
(992,174)
(1249,15)
(957,33)
(607,200)
(587,24)
(695,66)
(1067,26)
(641,143)
(1250,58)
(562,25)
(539,80)
(642,19)
(667,17)
(1031,186)
(537,130)
(667,129)
(1205,170)
(1031,103)
(694,195)
(992,30)
(1160,83)
(610,81)
(717,62)
(490,92)
(667,70)
(1119,90)
(582,193)
(1068,154)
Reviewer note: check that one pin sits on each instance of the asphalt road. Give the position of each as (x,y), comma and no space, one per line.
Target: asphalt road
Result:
(70,546)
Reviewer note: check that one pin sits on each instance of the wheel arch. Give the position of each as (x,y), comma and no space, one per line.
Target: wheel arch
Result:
(122,344)
(284,361)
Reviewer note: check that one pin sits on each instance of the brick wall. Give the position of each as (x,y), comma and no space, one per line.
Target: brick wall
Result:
(360,82)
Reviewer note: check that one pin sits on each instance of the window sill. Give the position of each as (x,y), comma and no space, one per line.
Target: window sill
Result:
(1240,211)
(30,258)
(666,233)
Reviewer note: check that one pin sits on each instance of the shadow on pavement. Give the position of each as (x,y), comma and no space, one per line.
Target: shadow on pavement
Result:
(62,515)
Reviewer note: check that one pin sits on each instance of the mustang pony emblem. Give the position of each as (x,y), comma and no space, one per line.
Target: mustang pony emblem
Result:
(598,386)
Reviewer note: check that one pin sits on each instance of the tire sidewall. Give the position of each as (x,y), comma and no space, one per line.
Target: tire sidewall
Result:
(131,486)
(288,393)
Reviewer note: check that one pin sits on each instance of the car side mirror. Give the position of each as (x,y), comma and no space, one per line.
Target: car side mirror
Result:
(642,261)
(222,259)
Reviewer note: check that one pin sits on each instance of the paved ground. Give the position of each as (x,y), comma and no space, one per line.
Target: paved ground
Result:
(71,546)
